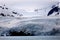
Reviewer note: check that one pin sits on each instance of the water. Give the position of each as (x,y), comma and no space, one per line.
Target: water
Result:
(30,38)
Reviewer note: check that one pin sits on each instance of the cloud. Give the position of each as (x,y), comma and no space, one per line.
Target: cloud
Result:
(27,4)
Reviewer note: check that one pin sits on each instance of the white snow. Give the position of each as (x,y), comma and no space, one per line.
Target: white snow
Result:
(40,17)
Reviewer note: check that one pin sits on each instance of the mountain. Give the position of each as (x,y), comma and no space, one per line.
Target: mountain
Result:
(53,10)
(31,26)
(7,12)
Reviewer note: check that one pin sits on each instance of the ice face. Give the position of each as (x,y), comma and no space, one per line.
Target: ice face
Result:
(35,27)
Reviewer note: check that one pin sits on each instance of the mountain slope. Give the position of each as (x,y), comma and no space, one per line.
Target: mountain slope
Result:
(6,12)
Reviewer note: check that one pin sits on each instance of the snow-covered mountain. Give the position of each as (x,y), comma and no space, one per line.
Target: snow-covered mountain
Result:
(30,24)
(7,12)
(51,11)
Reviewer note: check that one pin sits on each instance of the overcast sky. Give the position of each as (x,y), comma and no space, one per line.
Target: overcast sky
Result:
(28,5)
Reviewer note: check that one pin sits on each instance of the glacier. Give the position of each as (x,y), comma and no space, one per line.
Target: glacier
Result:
(25,23)
(33,26)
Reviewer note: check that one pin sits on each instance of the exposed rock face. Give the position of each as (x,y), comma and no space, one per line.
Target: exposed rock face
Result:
(55,9)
